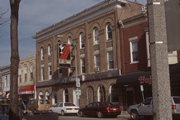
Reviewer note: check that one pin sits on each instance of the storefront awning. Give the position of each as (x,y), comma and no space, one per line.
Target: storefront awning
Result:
(26,89)
(135,78)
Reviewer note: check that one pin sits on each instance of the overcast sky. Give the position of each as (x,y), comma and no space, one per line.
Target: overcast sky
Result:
(35,15)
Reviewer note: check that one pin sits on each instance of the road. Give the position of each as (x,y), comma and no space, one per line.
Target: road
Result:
(92,118)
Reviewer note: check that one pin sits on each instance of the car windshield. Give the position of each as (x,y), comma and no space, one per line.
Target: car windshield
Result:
(177,100)
(69,104)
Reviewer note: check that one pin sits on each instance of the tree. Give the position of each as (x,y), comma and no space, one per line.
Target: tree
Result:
(14,113)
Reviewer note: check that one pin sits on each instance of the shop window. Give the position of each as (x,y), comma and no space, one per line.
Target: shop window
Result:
(41,98)
(101,94)
(90,95)
(47,98)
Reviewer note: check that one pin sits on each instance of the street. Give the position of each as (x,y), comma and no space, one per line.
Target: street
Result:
(120,117)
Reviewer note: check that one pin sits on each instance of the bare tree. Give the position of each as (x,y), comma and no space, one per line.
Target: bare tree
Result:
(14,112)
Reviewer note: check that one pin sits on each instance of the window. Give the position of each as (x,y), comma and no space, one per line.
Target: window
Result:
(32,78)
(42,53)
(108,31)
(82,60)
(82,40)
(20,79)
(42,73)
(41,97)
(25,77)
(97,62)
(50,72)
(96,35)
(49,50)
(110,59)
(134,50)
(47,97)
(70,40)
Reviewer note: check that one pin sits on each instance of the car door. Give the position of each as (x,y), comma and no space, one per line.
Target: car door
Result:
(88,109)
(60,108)
(54,108)
(145,108)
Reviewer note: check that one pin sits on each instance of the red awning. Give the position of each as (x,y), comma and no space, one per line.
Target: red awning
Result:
(66,52)
(26,89)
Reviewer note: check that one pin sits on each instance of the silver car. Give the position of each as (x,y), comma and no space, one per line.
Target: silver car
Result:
(145,108)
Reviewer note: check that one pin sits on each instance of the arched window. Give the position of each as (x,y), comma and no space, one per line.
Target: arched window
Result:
(47,97)
(49,50)
(101,94)
(114,93)
(108,31)
(70,40)
(41,97)
(42,53)
(96,35)
(82,40)
(90,95)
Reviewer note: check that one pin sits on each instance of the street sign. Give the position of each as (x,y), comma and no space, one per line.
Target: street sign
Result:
(78,82)
(78,92)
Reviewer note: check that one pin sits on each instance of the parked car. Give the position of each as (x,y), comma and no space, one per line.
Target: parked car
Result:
(100,109)
(145,108)
(64,108)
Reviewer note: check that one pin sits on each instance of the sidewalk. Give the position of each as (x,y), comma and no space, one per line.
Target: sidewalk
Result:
(44,116)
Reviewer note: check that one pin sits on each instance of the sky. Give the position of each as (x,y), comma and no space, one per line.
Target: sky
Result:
(35,15)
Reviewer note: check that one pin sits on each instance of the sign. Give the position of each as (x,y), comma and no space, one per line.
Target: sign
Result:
(78,92)
(26,89)
(172,10)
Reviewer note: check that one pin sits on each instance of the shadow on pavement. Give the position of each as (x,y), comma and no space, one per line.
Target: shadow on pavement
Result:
(42,116)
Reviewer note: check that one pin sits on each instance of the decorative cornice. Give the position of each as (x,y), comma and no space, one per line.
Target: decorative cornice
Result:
(92,12)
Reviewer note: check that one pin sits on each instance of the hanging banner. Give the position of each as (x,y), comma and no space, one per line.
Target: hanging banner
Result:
(64,54)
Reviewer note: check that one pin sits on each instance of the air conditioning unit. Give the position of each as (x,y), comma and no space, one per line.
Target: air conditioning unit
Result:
(96,69)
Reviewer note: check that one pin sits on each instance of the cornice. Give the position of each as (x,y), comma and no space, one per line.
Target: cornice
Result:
(89,13)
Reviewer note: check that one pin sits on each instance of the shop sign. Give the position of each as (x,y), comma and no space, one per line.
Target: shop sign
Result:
(145,80)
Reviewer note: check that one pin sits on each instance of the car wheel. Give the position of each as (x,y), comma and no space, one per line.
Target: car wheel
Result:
(99,114)
(134,115)
(62,113)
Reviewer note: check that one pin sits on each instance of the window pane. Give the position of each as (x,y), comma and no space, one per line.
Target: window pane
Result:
(96,35)
(134,48)
(109,31)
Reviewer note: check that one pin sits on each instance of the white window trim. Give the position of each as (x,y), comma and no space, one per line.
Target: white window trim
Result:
(108,59)
(95,42)
(49,50)
(80,39)
(49,76)
(107,39)
(130,40)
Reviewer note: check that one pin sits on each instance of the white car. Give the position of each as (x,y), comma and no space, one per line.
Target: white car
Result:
(64,108)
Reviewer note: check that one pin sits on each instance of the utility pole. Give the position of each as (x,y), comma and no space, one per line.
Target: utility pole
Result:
(159,60)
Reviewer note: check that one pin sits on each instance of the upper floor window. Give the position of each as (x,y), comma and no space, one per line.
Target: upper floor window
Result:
(42,73)
(82,40)
(82,63)
(96,62)
(110,59)
(25,77)
(31,75)
(70,40)
(108,31)
(42,53)
(134,50)
(96,35)
(49,50)
(20,79)
(50,72)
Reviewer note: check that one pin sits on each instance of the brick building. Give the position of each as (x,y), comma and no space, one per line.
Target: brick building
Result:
(101,46)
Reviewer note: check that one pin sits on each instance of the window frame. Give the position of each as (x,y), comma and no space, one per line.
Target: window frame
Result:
(131,40)
(82,40)
(108,60)
(109,32)
(95,35)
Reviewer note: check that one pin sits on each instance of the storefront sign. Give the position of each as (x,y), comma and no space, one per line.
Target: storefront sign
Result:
(26,89)
(144,79)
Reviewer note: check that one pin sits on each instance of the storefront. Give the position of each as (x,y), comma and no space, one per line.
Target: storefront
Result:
(26,92)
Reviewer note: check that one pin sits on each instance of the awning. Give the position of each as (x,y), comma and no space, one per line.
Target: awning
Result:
(135,78)
(26,89)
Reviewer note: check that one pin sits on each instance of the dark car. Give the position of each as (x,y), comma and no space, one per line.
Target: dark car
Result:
(100,109)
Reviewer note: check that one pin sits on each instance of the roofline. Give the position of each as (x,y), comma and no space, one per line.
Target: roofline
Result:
(111,4)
